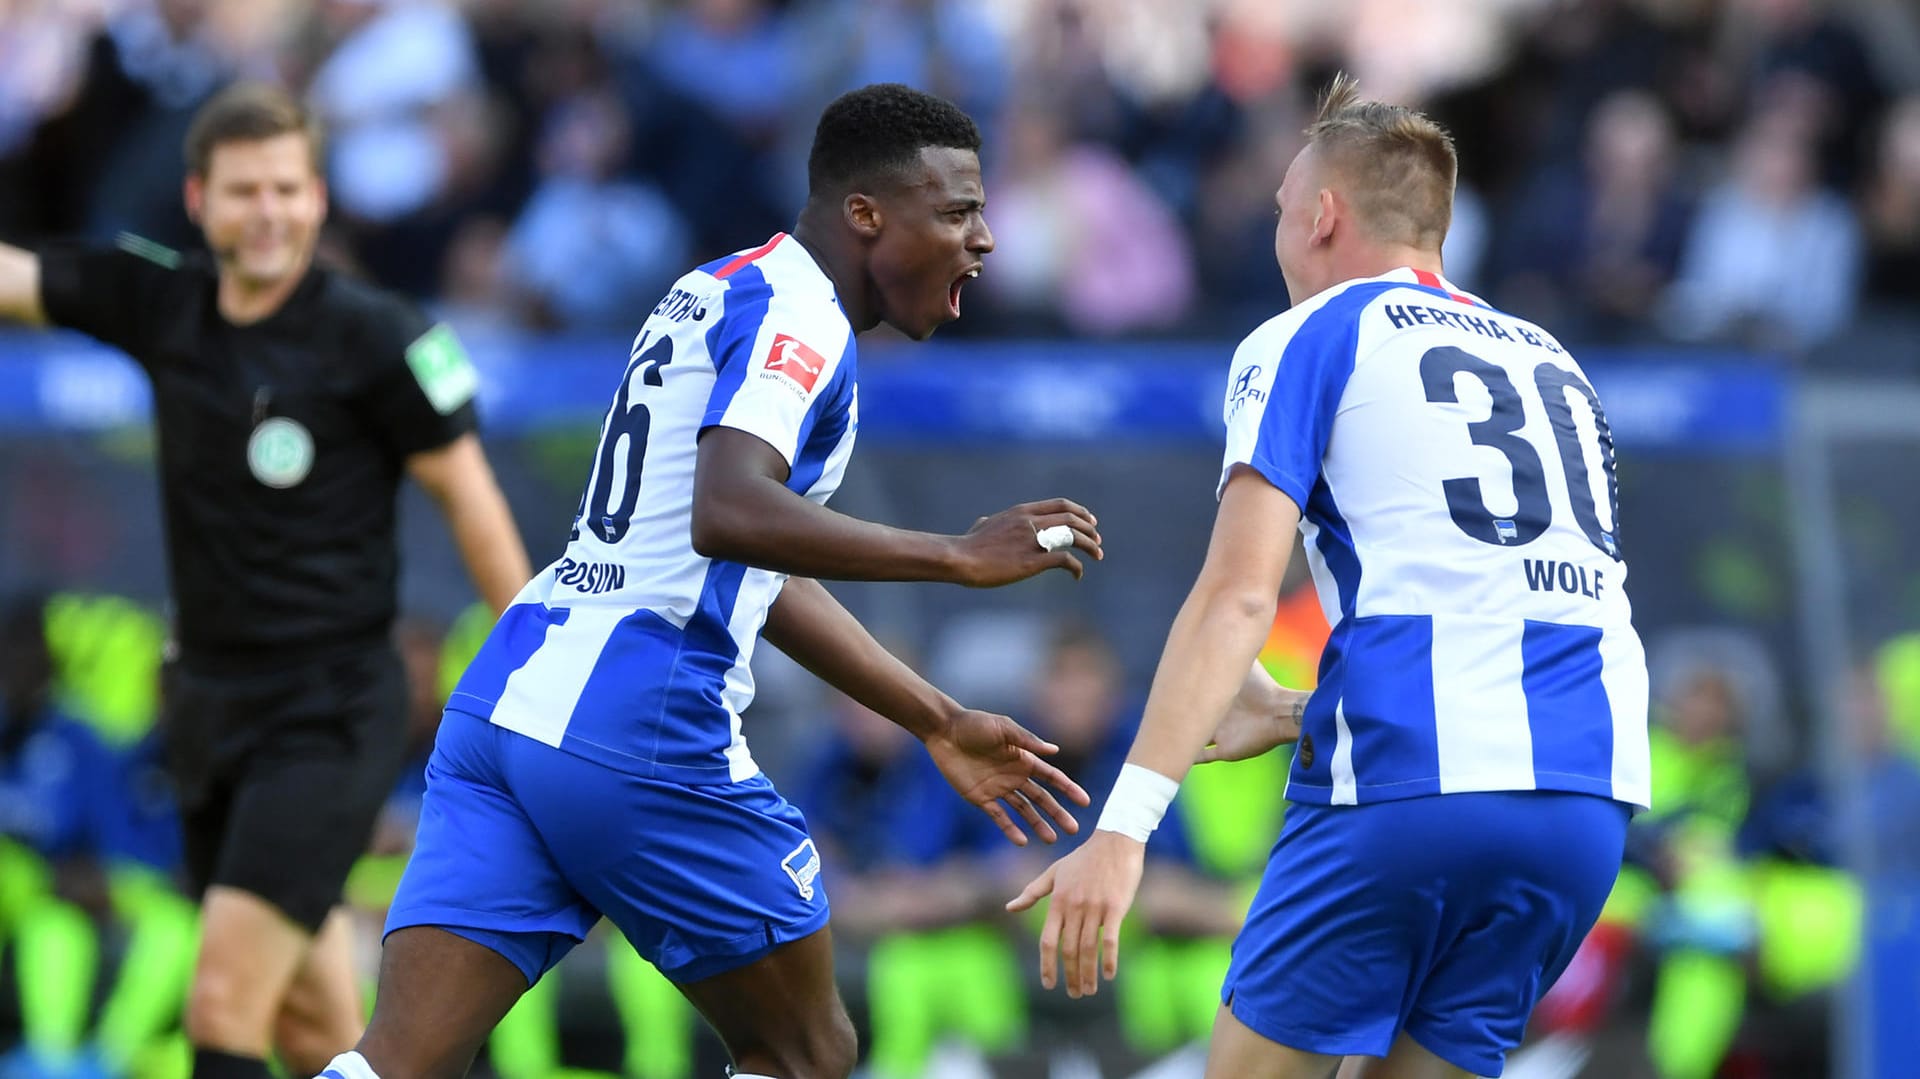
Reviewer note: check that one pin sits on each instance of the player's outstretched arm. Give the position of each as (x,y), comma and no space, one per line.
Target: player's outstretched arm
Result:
(1208,655)
(20,287)
(461,482)
(743,512)
(991,760)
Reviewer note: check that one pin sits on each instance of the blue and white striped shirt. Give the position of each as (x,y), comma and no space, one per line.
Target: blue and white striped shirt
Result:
(632,649)
(1456,480)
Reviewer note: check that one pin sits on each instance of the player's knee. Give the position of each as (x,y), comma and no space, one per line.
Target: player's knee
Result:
(832,1050)
(824,1050)
(225,1012)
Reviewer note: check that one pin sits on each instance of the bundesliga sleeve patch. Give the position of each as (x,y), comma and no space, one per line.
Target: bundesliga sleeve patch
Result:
(792,359)
(442,368)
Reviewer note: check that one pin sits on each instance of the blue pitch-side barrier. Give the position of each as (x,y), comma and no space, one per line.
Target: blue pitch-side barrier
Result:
(955,393)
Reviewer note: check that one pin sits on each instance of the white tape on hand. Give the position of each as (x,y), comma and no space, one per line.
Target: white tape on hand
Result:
(1052,539)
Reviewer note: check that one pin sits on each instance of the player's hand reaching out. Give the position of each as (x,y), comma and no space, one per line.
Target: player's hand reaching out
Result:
(1092,891)
(1005,547)
(992,760)
(1264,715)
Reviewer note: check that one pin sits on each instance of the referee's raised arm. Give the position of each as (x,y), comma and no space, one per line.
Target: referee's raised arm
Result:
(20,286)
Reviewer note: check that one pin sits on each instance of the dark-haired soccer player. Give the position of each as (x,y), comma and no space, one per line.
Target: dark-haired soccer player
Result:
(289,402)
(591,761)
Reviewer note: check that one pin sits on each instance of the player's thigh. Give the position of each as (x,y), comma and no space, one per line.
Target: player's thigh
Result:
(1329,954)
(481,913)
(440,995)
(306,799)
(716,886)
(1530,872)
(781,1014)
(1239,1052)
(702,878)
(1408,1060)
(480,867)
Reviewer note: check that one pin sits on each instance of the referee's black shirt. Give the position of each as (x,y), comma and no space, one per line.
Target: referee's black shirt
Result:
(282,442)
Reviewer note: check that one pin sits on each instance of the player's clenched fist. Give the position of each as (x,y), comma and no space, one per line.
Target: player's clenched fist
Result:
(1010,545)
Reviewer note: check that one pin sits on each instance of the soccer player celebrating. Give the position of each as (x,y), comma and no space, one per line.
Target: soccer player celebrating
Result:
(289,402)
(591,760)
(1466,768)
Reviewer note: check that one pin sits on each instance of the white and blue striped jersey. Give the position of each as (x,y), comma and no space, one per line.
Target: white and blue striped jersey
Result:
(1456,479)
(632,649)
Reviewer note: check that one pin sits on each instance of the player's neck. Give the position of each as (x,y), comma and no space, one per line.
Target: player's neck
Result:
(842,267)
(1388,258)
(243,302)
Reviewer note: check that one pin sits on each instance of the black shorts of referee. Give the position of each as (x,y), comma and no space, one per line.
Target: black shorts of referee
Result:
(281,769)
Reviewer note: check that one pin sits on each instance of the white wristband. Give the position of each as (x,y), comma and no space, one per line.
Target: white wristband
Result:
(1140,798)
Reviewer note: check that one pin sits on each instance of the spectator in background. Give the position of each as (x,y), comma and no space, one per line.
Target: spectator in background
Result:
(1183,916)
(591,249)
(1233,221)
(43,49)
(106,651)
(125,82)
(138,1030)
(476,296)
(1773,260)
(1892,211)
(57,790)
(1807,56)
(907,861)
(154,63)
(1703,926)
(748,39)
(1081,237)
(1593,246)
(948,47)
(388,74)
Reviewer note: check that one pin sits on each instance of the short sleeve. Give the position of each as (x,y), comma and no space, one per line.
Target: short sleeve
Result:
(115,295)
(777,366)
(420,395)
(1285,391)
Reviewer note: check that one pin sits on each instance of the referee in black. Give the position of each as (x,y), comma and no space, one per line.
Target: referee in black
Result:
(289,402)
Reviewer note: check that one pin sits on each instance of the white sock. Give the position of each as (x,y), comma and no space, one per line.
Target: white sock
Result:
(746,1075)
(349,1065)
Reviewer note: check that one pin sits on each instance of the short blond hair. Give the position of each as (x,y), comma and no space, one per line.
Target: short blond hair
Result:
(1399,164)
(249,112)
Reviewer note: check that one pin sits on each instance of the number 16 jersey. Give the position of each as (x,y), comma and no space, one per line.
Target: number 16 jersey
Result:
(1455,474)
(633,649)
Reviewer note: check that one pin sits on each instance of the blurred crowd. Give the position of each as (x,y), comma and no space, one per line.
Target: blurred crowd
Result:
(1736,171)
(1740,911)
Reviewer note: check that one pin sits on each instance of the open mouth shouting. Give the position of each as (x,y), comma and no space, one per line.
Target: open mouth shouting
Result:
(953,290)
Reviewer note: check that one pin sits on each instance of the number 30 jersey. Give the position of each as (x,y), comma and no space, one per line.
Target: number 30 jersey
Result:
(1456,479)
(632,649)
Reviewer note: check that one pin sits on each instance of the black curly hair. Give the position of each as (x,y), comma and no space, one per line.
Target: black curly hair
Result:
(879,129)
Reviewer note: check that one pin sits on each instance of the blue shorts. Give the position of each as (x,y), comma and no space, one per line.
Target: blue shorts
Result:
(523,847)
(1444,916)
